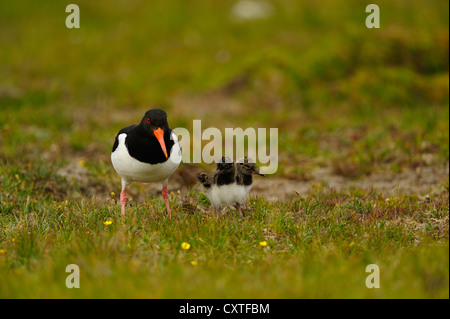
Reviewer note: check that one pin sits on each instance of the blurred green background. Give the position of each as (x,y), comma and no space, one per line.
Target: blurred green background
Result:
(350,101)
(369,99)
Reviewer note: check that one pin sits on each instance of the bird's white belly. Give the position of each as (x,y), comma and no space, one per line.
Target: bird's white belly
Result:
(130,169)
(241,193)
(227,195)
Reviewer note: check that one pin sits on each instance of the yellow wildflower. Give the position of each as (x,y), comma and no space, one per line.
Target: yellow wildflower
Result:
(185,245)
(108,222)
(194,263)
(263,243)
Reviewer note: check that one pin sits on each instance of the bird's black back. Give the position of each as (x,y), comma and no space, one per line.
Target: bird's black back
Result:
(245,171)
(244,179)
(224,174)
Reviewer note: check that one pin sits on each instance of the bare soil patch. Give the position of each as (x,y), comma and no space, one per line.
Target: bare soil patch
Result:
(272,187)
(420,180)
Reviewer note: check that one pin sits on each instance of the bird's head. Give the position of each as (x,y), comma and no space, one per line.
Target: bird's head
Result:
(155,123)
(248,166)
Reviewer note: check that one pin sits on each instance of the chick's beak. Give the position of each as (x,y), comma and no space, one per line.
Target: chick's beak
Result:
(159,134)
(258,173)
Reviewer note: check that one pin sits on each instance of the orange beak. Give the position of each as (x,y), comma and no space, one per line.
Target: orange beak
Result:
(159,134)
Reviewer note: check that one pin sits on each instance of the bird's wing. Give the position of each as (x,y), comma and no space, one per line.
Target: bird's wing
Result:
(125,130)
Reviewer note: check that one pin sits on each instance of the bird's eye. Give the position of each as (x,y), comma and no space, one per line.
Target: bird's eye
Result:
(148,120)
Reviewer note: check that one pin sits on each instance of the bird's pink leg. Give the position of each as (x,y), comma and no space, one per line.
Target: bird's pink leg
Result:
(123,201)
(238,207)
(166,199)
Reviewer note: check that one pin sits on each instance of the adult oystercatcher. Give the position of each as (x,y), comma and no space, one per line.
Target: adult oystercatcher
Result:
(146,152)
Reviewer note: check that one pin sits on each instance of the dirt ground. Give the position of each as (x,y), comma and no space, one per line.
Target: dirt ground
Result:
(421,181)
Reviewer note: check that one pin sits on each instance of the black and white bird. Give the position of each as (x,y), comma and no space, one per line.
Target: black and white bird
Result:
(218,186)
(146,152)
(230,184)
(245,169)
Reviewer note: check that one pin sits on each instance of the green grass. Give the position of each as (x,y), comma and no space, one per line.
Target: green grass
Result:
(318,245)
(352,100)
